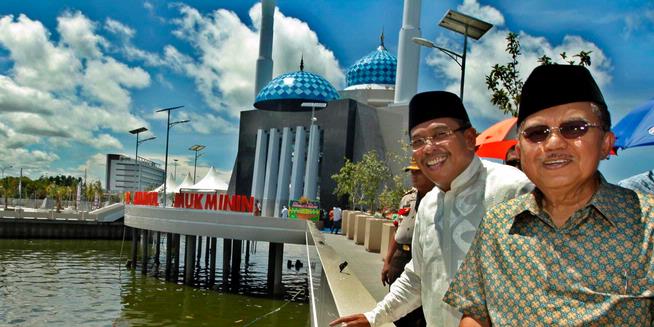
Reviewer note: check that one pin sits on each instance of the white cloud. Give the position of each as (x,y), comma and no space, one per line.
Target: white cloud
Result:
(485,13)
(64,93)
(228,49)
(490,49)
(78,33)
(119,29)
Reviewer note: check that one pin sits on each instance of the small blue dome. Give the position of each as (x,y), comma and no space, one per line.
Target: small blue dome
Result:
(378,67)
(287,91)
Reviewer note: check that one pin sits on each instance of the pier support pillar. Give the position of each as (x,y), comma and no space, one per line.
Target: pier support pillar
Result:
(175,273)
(135,247)
(227,257)
(275,259)
(199,252)
(146,245)
(212,261)
(189,259)
(157,253)
(169,255)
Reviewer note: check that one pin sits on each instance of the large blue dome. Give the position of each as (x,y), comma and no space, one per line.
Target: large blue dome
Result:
(287,91)
(378,67)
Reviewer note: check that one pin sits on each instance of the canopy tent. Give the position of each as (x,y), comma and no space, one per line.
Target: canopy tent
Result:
(171,185)
(186,183)
(636,128)
(210,182)
(497,139)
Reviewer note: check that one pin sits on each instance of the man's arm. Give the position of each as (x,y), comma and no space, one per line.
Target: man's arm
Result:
(387,261)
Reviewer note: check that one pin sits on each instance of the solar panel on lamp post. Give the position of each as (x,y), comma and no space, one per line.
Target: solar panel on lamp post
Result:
(462,24)
(168,126)
(196,148)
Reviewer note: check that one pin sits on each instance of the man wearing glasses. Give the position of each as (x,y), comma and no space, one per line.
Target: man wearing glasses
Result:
(443,143)
(577,251)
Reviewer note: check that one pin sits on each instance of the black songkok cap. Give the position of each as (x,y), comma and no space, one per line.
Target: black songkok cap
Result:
(552,85)
(430,105)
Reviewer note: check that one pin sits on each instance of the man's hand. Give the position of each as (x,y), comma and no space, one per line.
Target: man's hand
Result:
(356,320)
(384,273)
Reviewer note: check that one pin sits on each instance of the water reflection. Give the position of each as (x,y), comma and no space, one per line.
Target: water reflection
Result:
(85,283)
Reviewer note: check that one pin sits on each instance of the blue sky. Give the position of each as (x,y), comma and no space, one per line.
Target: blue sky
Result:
(76,76)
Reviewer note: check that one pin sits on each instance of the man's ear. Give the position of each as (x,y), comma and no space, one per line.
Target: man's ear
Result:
(470,136)
(607,144)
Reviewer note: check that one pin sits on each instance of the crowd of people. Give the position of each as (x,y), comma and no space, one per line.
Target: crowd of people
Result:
(541,240)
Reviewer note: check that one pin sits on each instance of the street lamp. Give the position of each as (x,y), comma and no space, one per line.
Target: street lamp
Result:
(462,24)
(196,148)
(2,168)
(168,126)
(313,106)
(175,165)
(136,156)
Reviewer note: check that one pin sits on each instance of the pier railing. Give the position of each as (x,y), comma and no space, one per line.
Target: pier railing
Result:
(334,290)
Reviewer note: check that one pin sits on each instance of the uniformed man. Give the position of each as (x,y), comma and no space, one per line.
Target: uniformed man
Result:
(399,250)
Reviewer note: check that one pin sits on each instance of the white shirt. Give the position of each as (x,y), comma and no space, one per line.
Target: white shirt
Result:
(445,226)
(285,212)
(337,213)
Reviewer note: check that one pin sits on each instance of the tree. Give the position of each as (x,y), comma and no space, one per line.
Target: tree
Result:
(504,80)
(363,181)
(345,183)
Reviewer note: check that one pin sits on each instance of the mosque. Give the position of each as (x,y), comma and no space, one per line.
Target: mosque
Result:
(303,129)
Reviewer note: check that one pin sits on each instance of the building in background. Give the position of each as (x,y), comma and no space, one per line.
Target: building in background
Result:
(123,174)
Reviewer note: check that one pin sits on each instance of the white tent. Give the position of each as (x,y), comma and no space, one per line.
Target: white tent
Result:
(186,183)
(171,185)
(210,182)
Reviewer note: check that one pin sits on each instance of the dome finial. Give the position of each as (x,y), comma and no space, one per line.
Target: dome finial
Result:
(302,62)
(381,41)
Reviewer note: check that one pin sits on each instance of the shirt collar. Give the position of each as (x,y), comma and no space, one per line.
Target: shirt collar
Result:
(601,201)
(467,174)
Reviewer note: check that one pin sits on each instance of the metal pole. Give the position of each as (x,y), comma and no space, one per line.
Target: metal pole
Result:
(166,160)
(136,161)
(195,165)
(463,61)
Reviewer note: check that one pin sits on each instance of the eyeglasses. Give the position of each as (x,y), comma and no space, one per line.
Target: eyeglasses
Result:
(570,130)
(440,135)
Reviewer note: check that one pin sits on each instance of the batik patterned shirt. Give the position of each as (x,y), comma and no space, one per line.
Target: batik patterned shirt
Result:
(595,270)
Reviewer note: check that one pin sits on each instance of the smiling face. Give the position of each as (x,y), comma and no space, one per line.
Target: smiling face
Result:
(442,161)
(558,162)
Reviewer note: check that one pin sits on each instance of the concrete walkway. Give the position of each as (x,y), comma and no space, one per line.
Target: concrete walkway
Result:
(365,265)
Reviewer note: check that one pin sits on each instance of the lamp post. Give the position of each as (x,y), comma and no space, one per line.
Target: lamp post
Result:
(313,106)
(168,126)
(2,168)
(175,171)
(136,156)
(196,148)
(462,24)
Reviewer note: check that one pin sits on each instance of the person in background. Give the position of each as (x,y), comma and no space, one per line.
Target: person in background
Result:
(399,249)
(443,144)
(643,182)
(336,220)
(577,251)
(284,212)
(512,158)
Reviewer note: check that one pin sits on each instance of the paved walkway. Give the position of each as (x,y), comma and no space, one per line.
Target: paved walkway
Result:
(365,265)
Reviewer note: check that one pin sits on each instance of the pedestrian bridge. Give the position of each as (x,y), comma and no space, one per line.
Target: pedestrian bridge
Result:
(334,292)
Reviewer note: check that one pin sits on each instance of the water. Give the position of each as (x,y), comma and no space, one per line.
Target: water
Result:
(85,283)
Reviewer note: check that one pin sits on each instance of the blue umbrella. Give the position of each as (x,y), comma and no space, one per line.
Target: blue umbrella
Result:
(636,128)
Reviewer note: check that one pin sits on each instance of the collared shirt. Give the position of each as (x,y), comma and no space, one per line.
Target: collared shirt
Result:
(337,213)
(404,232)
(596,269)
(445,226)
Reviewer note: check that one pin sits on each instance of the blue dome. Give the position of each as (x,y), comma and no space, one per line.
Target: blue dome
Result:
(287,91)
(378,67)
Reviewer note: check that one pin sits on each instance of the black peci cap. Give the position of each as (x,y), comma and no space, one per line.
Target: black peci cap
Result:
(430,105)
(552,85)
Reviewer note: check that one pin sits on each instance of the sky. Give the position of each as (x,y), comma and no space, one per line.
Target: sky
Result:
(77,76)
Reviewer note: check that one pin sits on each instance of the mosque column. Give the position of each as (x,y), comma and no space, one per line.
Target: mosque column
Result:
(297,173)
(284,171)
(259,171)
(272,170)
(313,157)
